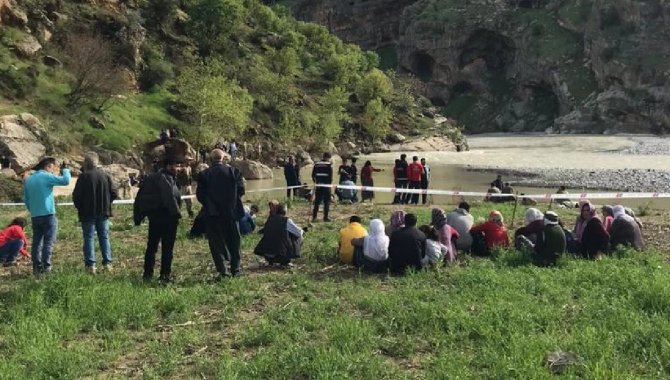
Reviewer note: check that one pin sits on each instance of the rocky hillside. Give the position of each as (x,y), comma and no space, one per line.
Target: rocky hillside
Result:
(110,74)
(522,65)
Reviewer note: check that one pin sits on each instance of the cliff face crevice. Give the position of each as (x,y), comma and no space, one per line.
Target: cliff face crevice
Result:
(564,65)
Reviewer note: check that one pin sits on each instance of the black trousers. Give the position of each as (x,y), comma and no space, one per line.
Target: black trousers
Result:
(322,194)
(424,186)
(415,197)
(401,197)
(162,230)
(223,235)
(294,190)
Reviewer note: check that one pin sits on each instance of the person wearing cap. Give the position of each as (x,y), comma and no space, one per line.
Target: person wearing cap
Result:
(160,201)
(39,199)
(322,174)
(93,196)
(220,191)
(551,242)
(495,232)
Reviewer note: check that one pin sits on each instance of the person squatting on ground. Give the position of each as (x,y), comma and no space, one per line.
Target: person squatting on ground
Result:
(220,188)
(282,238)
(528,233)
(446,234)
(414,174)
(354,230)
(425,180)
(407,247)
(551,242)
(13,241)
(461,220)
(292,176)
(93,196)
(39,199)
(590,234)
(625,230)
(322,174)
(494,234)
(435,251)
(159,200)
(371,252)
(347,195)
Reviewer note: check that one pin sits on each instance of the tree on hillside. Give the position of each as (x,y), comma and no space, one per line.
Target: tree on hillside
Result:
(377,118)
(96,78)
(213,23)
(374,85)
(216,106)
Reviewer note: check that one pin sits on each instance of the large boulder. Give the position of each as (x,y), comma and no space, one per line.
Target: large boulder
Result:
(120,175)
(175,148)
(27,47)
(20,140)
(253,169)
(11,14)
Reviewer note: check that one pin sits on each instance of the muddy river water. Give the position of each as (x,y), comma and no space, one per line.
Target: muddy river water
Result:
(534,153)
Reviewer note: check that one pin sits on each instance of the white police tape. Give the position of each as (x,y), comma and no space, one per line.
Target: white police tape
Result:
(546,196)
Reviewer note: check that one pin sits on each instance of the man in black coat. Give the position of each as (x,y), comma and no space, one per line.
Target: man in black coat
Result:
(220,188)
(407,247)
(159,200)
(93,196)
(322,174)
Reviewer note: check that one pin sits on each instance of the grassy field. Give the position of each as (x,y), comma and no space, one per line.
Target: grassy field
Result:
(478,319)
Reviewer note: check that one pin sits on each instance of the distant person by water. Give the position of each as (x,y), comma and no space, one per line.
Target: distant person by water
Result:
(498,182)
(425,180)
(414,174)
(292,176)
(493,190)
(366,180)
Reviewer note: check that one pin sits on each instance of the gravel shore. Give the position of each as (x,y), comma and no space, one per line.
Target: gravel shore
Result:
(649,146)
(626,180)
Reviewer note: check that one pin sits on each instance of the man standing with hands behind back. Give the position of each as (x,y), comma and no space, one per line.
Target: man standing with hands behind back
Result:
(220,188)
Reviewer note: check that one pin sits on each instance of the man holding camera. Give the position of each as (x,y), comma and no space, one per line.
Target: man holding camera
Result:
(39,199)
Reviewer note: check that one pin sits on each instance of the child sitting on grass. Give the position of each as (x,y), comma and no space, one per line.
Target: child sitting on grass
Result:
(435,251)
(12,242)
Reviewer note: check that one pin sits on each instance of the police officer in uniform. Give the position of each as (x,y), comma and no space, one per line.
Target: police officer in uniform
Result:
(322,174)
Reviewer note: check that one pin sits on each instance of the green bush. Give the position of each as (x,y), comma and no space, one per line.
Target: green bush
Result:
(18,83)
(155,73)
(11,190)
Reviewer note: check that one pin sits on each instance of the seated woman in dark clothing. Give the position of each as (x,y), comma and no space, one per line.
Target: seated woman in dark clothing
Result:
(282,238)
(591,234)
(407,247)
(625,230)
(551,241)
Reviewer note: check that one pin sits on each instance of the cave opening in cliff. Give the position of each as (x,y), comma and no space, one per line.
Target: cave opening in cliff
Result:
(423,65)
(494,48)
(543,102)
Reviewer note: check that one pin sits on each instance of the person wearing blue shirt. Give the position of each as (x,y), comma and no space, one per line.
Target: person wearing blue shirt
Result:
(39,199)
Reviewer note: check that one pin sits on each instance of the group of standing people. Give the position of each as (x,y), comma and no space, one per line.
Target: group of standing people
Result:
(415,175)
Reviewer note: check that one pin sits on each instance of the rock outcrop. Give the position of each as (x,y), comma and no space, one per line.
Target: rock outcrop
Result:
(253,169)
(21,139)
(564,66)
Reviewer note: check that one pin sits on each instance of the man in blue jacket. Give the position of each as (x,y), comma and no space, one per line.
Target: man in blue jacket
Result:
(39,199)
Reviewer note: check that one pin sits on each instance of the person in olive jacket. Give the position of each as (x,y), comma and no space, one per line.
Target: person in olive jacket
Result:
(159,200)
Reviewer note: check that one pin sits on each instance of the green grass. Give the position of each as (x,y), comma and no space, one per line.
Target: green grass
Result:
(479,319)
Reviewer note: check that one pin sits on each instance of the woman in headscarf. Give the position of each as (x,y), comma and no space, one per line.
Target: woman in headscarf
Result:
(608,217)
(527,235)
(590,232)
(397,222)
(372,251)
(495,232)
(447,235)
(366,179)
(625,230)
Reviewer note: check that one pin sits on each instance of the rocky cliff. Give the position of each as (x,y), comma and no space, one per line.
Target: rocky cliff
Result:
(502,65)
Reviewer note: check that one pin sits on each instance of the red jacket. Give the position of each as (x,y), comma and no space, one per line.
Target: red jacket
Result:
(496,235)
(415,170)
(14,233)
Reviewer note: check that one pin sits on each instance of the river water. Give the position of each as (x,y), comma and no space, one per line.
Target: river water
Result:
(522,152)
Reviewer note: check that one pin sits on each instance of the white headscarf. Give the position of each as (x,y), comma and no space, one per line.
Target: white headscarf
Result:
(619,211)
(533,214)
(376,244)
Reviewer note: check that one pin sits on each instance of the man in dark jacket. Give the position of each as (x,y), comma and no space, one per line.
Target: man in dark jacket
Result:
(159,200)
(292,176)
(220,188)
(407,247)
(93,196)
(322,174)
